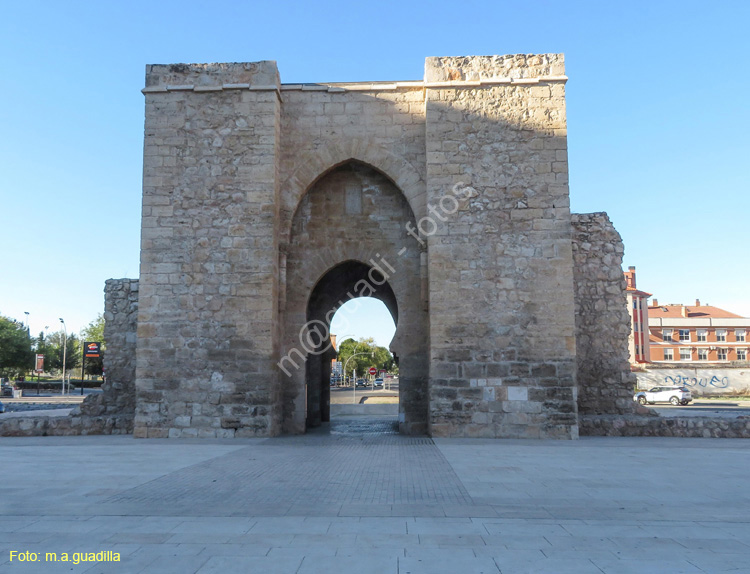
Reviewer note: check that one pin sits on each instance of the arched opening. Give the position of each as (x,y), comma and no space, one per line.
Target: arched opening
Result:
(363,318)
(344,283)
(349,240)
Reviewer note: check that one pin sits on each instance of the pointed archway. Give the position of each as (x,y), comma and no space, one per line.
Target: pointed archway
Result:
(349,240)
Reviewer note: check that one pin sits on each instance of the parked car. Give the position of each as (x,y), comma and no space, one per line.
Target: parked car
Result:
(335,381)
(674,395)
(378,383)
(361,383)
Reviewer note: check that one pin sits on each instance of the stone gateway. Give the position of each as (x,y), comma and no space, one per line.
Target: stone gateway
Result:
(266,206)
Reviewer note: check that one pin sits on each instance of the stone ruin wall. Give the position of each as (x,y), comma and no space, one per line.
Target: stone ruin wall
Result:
(116,403)
(605,383)
(112,410)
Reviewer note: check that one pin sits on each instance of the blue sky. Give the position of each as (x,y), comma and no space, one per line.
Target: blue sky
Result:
(657,118)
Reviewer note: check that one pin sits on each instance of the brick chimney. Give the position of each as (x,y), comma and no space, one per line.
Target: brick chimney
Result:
(630,277)
(655,302)
(697,302)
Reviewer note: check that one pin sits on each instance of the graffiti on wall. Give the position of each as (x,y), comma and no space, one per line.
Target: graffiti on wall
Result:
(700,381)
(714,381)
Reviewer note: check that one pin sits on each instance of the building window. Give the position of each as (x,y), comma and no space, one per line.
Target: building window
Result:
(721,335)
(637,350)
(666,334)
(685,354)
(702,335)
(635,303)
(684,334)
(722,356)
(742,354)
(703,354)
(668,354)
(739,335)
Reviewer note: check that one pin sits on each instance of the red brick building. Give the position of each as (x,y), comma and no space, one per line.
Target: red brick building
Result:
(697,334)
(683,334)
(638,308)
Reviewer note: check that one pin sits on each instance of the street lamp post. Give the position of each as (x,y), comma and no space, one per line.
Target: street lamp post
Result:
(28,336)
(65,351)
(354,376)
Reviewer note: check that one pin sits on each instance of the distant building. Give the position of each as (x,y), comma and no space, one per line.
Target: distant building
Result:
(683,334)
(638,309)
(336,367)
(696,333)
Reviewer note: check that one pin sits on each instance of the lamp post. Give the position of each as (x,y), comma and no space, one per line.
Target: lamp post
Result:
(354,375)
(28,336)
(65,351)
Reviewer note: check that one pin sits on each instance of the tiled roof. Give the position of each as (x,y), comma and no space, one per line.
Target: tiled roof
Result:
(693,312)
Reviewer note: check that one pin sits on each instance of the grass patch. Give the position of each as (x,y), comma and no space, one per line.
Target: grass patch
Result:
(382,400)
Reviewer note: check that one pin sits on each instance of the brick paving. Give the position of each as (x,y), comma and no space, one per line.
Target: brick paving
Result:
(598,505)
(356,462)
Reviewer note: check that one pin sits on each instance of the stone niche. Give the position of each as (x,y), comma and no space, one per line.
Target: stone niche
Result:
(268,205)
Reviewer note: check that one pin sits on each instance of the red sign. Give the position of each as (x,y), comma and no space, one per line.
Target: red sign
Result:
(91,349)
(39,364)
(373,371)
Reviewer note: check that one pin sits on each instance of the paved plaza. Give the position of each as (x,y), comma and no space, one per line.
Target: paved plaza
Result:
(356,496)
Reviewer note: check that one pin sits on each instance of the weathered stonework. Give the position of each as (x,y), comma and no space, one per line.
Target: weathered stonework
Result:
(111,411)
(605,383)
(686,427)
(117,399)
(208,329)
(502,325)
(265,206)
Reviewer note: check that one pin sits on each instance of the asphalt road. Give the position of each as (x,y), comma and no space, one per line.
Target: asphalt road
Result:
(344,394)
(703,408)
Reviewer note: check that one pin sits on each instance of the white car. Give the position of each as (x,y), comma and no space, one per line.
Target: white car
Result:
(378,383)
(674,395)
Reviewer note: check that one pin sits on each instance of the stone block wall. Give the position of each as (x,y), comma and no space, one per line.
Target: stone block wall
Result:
(117,399)
(323,126)
(605,382)
(685,427)
(208,329)
(502,325)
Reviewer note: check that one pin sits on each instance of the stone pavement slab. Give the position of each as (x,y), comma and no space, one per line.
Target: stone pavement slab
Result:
(374,501)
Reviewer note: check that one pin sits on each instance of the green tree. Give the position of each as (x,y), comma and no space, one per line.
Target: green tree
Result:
(53,359)
(16,355)
(373,356)
(383,359)
(94,331)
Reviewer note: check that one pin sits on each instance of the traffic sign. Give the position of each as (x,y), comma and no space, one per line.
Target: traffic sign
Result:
(373,371)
